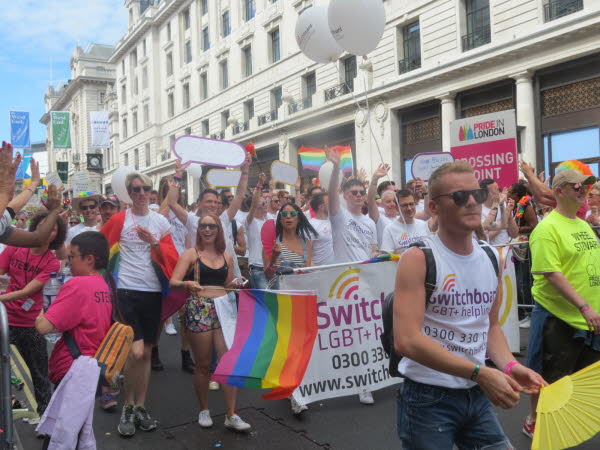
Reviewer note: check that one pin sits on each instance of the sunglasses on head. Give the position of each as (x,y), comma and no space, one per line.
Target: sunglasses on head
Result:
(461,198)
(137,189)
(85,208)
(356,193)
(210,226)
(284,214)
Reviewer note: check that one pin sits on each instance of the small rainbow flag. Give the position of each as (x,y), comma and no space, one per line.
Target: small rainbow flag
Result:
(274,337)
(312,158)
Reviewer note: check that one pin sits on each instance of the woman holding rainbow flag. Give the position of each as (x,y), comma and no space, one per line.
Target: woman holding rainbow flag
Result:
(206,271)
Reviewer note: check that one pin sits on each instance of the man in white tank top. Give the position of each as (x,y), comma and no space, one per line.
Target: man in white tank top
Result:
(445,399)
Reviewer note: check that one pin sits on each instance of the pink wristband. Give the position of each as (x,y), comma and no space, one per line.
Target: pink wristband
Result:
(509,367)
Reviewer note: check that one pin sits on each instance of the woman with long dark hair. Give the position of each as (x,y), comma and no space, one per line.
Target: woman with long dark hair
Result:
(206,271)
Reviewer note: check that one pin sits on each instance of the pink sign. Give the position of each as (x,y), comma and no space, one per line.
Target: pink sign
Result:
(488,142)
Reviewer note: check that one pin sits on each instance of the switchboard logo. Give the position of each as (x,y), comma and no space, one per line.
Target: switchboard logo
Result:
(345,285)
(449,283)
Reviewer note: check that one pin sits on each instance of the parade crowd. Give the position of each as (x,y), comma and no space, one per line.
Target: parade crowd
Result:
(112,258)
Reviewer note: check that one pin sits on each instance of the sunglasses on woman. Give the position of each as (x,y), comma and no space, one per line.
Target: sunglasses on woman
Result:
(209,226)
(284,214)
(461,198)
(137,189)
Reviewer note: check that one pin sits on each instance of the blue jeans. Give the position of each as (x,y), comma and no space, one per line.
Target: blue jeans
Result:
(258,279)
(436,418)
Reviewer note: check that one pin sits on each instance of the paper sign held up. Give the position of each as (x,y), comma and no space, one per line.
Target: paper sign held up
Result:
(424,164)
(284,173)
(209,151)
(54,178)
(223,178)
(80,182)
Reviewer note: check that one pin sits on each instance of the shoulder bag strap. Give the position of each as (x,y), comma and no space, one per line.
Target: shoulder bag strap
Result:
(71,345)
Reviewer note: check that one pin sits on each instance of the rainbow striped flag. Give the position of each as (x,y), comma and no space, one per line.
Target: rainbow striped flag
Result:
(312,158)
(274,337)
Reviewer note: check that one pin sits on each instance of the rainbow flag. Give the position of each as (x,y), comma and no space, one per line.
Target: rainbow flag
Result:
(312,158)
(274,337)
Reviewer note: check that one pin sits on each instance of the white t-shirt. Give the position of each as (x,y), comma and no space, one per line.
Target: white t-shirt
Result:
(178,232)
(353,236)
(381,225)
(5,222)
(322,247)
(153,207)
(398,235)
(420,206)
(254,242)
(502,237)
(272,216)
(457,315)
(78,229)
(135,269)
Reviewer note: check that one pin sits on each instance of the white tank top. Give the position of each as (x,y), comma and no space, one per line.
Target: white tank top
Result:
(457,315)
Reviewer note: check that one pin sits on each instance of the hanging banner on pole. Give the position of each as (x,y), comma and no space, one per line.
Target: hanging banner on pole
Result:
(100,130)
(61,129)
(489,143)
(19,129)
(62,167)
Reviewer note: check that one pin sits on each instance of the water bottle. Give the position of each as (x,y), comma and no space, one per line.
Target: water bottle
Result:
(65,274)
(50,292)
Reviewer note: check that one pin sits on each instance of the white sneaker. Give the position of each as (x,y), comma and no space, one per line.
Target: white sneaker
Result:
(525,323)
(236,423)
(366,398)
(297,407)
(204,419)
(213,386)
(170,328)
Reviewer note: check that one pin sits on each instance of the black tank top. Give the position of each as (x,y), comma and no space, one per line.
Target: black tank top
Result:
(209,276)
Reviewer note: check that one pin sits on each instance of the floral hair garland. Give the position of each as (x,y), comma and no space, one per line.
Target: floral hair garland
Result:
(522,204)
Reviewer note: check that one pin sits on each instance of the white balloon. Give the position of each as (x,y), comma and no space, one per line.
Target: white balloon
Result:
(325,175)
(117,183)
(314,38)
(357,25)
(195,170)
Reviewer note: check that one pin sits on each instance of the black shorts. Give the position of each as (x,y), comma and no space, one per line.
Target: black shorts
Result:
(563,354)
(141,310)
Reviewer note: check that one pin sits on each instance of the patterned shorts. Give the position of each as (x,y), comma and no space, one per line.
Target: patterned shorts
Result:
(201,315)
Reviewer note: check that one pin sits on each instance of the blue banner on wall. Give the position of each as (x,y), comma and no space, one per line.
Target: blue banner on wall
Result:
(19,129)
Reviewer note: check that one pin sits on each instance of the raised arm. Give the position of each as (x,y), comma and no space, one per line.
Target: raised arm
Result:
(334,181)
(8,169)
(242,188)
(541,193)
(256,197)
(381,172)
(173,195)
(19,201)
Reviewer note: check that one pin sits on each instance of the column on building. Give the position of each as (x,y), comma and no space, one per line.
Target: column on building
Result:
(448,106)
(526,115)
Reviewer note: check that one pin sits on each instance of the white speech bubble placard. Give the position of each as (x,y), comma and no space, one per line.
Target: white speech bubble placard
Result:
(282,172)
(209,151)
(424,164)
(223,178)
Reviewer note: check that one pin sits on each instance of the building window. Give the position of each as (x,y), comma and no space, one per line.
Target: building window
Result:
(205,128)
(248,110)
(101,96)
(224,69)
(145,78)
(146,112)
(226,24)
(123,66)
(126,159)
(169,64)
(186,95)
(276,100)
(133,59)
(205,39)
(350,71)
(136,159)
(171,143)
(185,17)
(203,86)
(188,131)
(554,9)
(477,14)
(247,60)
(410,59)
(170,105)
(169,31)
(224,119)
(124,128)
(249,9)
(134,119)
(309,88)
(147,156)
(123,94)
(274,44)
(582,144)
(135,86)
(188,52)
(204,7)
(144,47)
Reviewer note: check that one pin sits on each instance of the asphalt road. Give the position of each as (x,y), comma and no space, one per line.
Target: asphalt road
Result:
(341,423)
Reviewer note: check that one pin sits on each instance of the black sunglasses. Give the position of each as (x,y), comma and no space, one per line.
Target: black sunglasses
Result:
(137,189)
(355,193)
(73,223)
(462,197)
(85,208)
(210,226)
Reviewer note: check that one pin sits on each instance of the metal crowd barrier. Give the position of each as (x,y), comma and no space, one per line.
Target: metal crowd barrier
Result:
(6,423)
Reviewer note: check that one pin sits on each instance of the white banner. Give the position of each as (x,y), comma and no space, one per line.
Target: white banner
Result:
(99,129)
(347,357)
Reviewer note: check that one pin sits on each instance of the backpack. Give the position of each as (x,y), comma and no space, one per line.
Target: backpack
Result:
(387,316)
(111,354)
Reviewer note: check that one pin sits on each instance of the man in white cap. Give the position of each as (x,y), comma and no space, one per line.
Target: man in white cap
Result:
(87,204)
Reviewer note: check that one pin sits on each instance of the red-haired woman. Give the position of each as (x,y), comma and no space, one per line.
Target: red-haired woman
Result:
(206,271)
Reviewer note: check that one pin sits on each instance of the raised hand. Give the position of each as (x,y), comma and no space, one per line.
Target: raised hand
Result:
(262,178)
(35,174)
(527,169)
(333,156)
(53,202)
(179,168)
(381,171)
(8,169)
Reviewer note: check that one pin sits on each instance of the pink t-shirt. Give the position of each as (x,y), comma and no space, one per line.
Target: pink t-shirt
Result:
(82,307)
(23,267)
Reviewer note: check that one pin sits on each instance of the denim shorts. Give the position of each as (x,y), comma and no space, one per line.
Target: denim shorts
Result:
(436,418)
